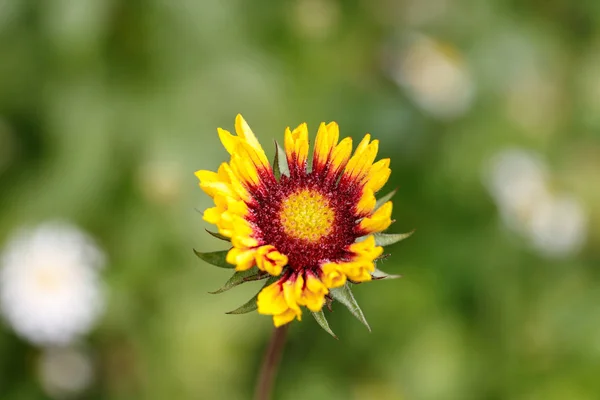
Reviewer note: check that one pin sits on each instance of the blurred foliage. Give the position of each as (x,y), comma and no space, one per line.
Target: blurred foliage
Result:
(107,107)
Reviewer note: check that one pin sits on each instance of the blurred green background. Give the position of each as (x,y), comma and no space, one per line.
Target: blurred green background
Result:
(108,107)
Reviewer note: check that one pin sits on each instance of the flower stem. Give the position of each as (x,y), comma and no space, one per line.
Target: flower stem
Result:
(270,364)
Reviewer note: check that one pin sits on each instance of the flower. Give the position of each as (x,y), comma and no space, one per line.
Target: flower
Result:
(50,291)
(519,181)
(434,75)
(311,224)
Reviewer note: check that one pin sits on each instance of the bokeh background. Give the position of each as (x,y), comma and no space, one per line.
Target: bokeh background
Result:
(489,110)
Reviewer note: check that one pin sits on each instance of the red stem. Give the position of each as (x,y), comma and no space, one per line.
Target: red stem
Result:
(270,364)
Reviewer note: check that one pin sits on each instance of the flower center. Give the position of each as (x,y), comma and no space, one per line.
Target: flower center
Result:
(306,215)
(49,279)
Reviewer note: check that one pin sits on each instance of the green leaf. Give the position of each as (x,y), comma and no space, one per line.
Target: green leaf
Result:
(280,165)
(251,305)
(239,277)
(379,274)
(385,198)
(321,320)
(218,235)
(386,239)
(344,295)
(216,258)
(276,170)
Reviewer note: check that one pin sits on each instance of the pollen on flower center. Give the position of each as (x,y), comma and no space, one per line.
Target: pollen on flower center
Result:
(306,215)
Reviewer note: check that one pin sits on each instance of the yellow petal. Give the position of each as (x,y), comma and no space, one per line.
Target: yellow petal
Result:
(236,184)
(279,300)
(379,221)
(213,182)
(325,142)
(296,146)
(367,249)
(291,293)
(237,207)
(243,130)
(360,164)
(243,259)
(378,175)
(340,157)
(242,232)
(366,203)
(358,271)
(270,260)
(332,275)
(212,215)
(244,170)
(334,132)
(285,317)
(204,175)
(229,141)
(271,301)
(313,293)
(362,145)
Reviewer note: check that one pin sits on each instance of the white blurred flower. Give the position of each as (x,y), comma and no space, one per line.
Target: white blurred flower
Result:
(558,226)
(517,180)
(50,290)
(435,77)
(65,372)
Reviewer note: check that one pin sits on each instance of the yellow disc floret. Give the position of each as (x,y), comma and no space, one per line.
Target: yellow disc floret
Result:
(307,215)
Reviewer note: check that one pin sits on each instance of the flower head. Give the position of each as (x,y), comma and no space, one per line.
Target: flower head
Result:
(309,221)
(50,290)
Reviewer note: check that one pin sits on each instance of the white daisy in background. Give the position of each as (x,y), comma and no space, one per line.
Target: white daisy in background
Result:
(554,224)
(558,226)
(434,75)
(516,180)
(50,288)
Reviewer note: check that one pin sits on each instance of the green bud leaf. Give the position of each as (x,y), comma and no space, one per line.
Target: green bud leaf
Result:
(276,170)
(280,165)
(385,198)
(322,321)
(216,258)
(386,239)
(344,295)
(239,277)
(379,274)
(251,305)
(218,235)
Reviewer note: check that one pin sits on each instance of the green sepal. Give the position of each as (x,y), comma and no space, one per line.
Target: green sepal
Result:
(386,239)
(216,258)
(322,321)
(280,165)
(379,274)
(218,235)
(344,295)
(239,277)
(385,199)
(251,305)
